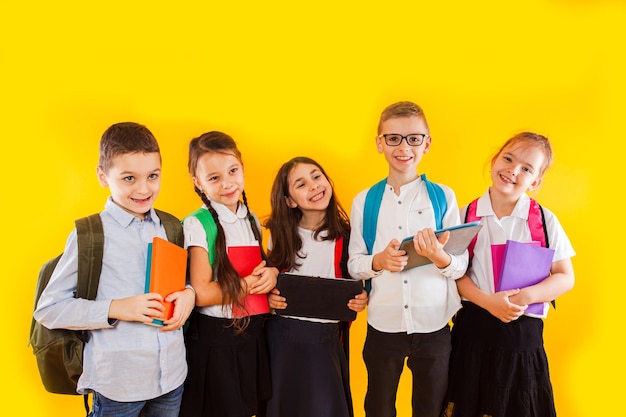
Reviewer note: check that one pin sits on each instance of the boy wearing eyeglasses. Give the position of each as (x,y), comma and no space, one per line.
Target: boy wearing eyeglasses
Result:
(409,309)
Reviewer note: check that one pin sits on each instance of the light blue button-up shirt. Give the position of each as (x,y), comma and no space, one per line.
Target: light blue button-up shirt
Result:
(124,361)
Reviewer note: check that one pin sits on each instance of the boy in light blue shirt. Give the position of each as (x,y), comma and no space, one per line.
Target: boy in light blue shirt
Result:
(131,368)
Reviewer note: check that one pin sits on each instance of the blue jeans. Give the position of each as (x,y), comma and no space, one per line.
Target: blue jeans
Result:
(167,405)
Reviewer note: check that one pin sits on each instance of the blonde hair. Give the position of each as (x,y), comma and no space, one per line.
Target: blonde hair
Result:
(401,109)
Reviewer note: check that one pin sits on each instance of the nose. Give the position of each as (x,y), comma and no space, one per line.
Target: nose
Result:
(142,187)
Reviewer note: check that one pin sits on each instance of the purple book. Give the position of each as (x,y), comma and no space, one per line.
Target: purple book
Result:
(524,265)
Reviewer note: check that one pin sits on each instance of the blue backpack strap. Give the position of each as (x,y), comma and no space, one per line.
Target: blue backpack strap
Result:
(370,219)
(370,213)
(372,207)
(437,199)
(207,221)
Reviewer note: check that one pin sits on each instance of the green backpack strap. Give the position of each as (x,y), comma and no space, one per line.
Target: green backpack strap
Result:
(210,228)
(90,237)
(173,227)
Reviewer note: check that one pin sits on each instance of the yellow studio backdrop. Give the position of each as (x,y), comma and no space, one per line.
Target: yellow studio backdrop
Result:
(310,78)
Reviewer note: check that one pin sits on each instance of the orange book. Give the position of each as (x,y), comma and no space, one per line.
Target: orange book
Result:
(166,272)
(244,260)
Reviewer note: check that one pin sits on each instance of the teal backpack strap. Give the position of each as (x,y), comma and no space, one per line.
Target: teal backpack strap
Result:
(207,221)
(173,227)
(370,213)
(370,219)
(372,207)
(437,199)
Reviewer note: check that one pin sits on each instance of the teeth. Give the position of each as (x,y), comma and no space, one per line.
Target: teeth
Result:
(506,179)
(317,197)
(403,158)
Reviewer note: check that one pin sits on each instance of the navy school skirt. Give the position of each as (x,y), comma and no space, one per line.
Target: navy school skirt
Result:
(228,372)
(498,369)
(309,370)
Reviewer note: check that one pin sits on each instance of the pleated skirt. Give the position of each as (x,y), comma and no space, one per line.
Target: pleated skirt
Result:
(309,370)
(498,369)
(228,372)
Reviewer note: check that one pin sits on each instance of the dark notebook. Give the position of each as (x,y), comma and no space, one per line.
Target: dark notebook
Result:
(317,297)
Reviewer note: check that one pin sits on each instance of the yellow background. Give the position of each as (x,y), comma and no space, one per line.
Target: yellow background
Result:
(310,78)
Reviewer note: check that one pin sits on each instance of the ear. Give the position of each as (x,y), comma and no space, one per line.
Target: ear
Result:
(379,144)
(290,203)
(196,183)
(427,144)
(535,184)
(102,178)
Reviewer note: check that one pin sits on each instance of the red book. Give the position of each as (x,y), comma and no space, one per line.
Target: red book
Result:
(166,272)
(244,260)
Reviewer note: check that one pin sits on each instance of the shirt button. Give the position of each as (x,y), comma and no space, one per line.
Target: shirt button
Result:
(406,282)
(406,306)
(399,202)
(400,227)
(419,212)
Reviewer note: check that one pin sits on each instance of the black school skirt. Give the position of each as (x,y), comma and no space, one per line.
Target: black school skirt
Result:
(498,369)
(228,372)
(309,370)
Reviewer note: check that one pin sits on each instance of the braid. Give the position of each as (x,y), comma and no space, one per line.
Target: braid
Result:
(253,225)
(229,280)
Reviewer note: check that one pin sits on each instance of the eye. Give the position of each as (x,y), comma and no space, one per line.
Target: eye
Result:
(527,170)
(234,170)
(507,158)
(129,178)
(153,176)
(299,185)
(414,139)
(213,178)
(393,139)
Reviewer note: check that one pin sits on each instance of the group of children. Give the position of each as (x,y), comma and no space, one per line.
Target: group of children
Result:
(228,363)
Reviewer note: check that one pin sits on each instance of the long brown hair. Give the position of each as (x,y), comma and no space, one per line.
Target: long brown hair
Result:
(283,220)
(229,280)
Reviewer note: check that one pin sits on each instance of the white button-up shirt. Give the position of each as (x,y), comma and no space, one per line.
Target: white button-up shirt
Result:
(416,300)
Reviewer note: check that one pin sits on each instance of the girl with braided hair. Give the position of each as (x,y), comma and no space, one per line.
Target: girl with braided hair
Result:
(226,345)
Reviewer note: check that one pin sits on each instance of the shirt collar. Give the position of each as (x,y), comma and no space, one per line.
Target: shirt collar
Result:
(124,218)
(485,208)
(409,186)
(227,216)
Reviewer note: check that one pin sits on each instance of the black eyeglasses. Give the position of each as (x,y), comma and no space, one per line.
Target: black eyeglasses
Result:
(394,139)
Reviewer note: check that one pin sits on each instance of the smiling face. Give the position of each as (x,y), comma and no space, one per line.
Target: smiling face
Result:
(517,169)
(403,159)
(309,189)
(220,176)
(134,180)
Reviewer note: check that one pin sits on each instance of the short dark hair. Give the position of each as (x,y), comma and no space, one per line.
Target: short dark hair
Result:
(122,138)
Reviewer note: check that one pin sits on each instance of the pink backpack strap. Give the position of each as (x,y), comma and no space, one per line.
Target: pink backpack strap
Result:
(470,216)
(537,224)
